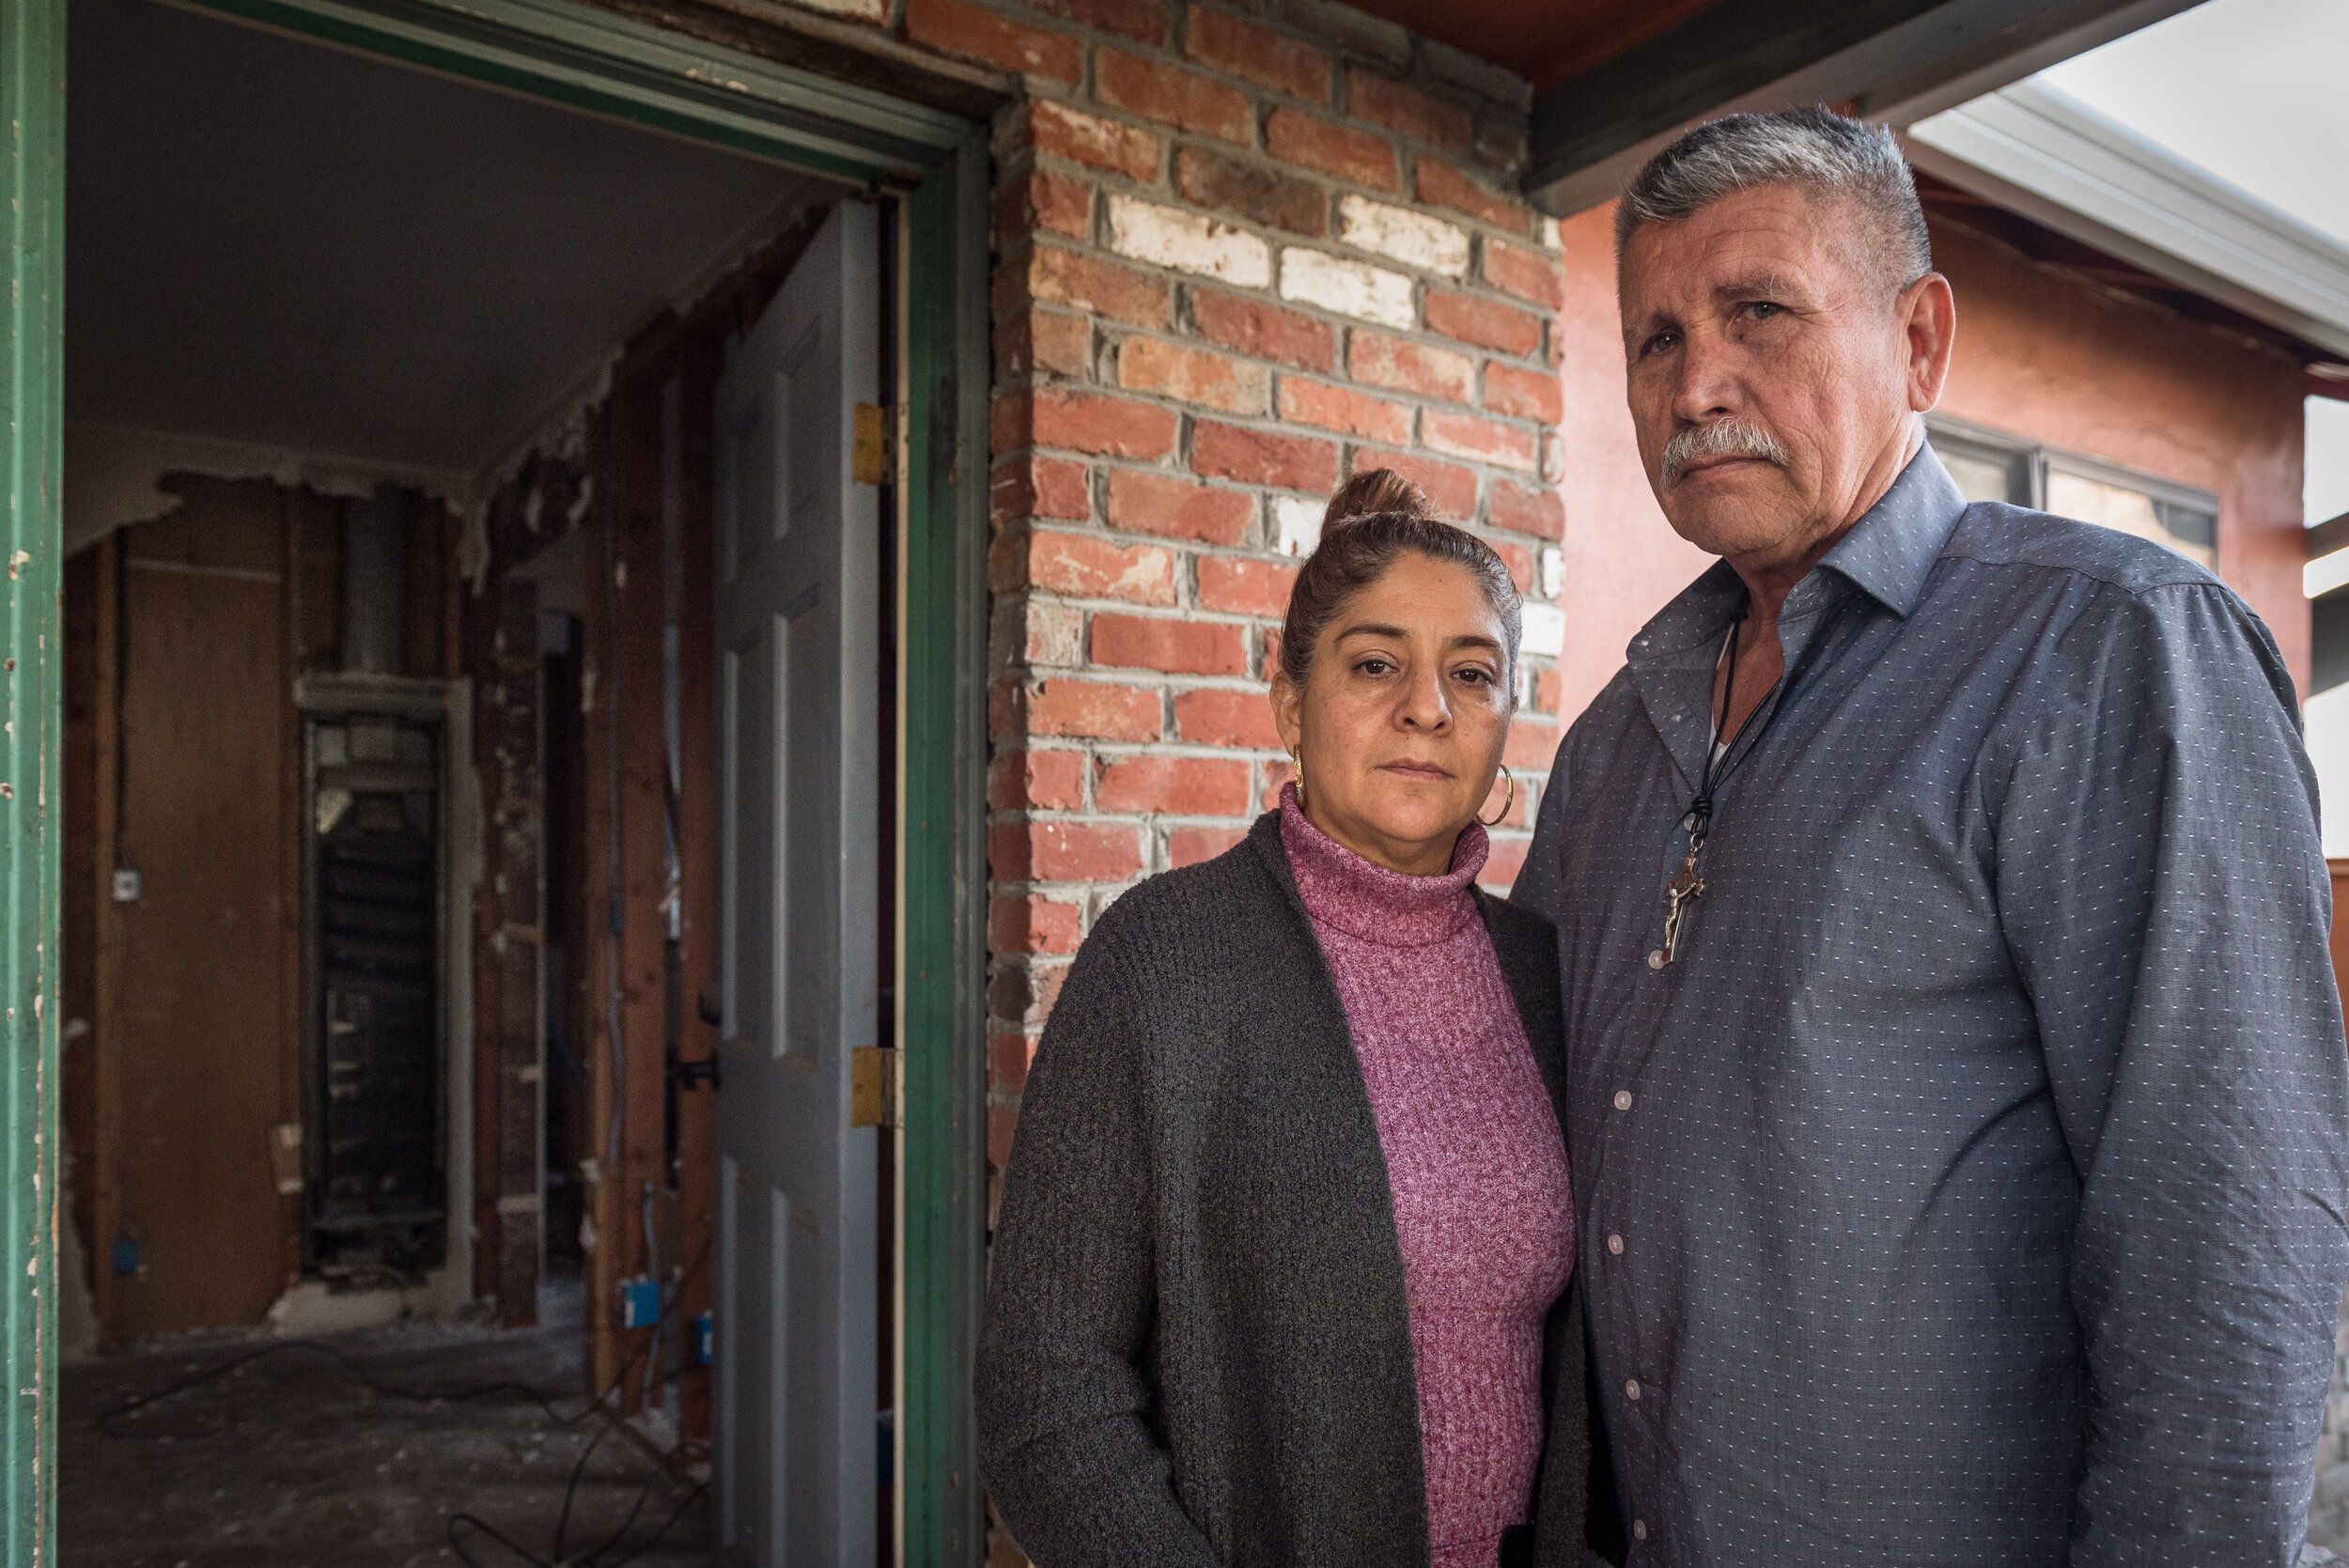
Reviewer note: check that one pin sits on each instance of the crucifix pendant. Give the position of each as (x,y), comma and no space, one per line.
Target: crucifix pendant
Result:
(1682,890)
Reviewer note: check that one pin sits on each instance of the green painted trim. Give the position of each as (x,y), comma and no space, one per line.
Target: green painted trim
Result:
(32,387)
(944,1148)
(614,65)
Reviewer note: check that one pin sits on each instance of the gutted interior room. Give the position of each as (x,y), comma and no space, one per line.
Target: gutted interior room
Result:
(473,626)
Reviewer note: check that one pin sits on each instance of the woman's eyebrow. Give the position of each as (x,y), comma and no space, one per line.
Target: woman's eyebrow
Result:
(1373,629)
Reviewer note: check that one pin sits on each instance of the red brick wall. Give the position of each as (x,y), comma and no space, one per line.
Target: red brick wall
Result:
(1239,257)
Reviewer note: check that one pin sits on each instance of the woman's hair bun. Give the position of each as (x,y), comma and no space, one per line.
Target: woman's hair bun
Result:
(1375,491)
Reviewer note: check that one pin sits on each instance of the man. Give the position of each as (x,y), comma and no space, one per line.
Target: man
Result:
(1958,1097)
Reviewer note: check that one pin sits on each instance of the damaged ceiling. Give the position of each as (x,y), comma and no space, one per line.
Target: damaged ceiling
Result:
(275,242)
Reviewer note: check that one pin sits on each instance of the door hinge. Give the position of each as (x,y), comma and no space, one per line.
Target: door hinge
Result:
(873,1088)
(876,446)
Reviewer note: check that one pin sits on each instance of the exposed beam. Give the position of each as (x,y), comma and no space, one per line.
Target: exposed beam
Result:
(1894,60)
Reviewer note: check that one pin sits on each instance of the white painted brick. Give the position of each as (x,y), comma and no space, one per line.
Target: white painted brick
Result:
(1299,524)
(1553,571)
(1545,630)
(1397,232)
(1166,236)
(1348,288)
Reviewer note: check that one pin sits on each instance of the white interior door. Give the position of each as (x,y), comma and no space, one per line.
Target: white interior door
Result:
(799,637)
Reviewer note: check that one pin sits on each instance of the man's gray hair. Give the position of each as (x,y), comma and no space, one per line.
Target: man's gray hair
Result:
(1840,160)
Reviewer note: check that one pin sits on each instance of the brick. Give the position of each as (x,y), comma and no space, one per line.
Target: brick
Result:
(1063,851)
(1244,587)
(1262,458)
(1174,508)
(1083,567)
(1441,185)
(1340,151)
(1276,777)
(1185,786)
(1008,1058)
(1401,235)
(1091,709)
(1408,111)
(1541,512)
(1042,200)
(1527,274)
(1023,923)
(1338,408)
(1193,375)
(980,34)
(1348,288)
(1548,690)
(1401,365)
(1169,645)
(1257,54)
(1025,631)
(1520,561)
(1087,283)
(1501,140)
(1487,81)
(1057,131)
(1464,435)
(1163,92)
(1526,394)
(1532,743)
(1451,488)
(1169,236)
(1354,31)
(1260,193)
(1017,993)
(1037,486)
(1218,715)
(1033,340)
(1088,422)
(1263,331)
(1144,20)
(1488,323)
(1503,867)
(1193,846)
(1046,780)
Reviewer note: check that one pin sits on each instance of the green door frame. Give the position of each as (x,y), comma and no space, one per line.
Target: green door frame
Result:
(622,68)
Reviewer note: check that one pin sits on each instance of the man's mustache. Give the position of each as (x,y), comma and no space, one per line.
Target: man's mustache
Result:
(1723,438)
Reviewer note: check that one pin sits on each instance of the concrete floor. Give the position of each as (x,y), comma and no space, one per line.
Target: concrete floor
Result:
(290,1462)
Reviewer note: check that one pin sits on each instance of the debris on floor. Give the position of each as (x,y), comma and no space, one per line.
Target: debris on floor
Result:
(305,1455)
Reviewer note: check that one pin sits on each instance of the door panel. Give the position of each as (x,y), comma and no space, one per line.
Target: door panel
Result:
(798,634)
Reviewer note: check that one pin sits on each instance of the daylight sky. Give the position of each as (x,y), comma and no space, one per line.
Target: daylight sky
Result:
(2253,91)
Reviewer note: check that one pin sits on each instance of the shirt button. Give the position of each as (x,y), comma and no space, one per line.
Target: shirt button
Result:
(1632,1390)
(1638,1529)
(1615,1245)
(1656,958)
(1622,1099)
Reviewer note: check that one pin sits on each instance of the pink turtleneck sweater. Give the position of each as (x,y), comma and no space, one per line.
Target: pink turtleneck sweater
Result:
(1473,1155)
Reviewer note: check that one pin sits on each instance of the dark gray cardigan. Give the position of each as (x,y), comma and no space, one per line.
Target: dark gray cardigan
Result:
(1197,1350)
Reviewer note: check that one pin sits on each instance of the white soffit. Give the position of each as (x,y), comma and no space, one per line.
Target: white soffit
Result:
(2046,155)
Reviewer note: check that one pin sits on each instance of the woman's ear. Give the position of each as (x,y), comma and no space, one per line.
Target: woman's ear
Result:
(1288,710)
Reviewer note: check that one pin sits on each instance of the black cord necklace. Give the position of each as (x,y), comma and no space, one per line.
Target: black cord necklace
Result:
(1687,886)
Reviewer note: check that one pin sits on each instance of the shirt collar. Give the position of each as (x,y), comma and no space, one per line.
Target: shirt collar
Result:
(1889,554)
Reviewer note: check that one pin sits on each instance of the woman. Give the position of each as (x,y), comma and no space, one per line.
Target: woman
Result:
(1286,1233)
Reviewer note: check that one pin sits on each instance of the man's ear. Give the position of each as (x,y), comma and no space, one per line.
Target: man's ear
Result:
(1288,709)
(1927,312)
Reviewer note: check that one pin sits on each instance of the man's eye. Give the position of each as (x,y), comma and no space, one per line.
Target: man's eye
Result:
(1662,342)
(1762,310)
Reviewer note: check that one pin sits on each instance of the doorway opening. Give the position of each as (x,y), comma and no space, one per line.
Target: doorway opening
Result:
(421,441)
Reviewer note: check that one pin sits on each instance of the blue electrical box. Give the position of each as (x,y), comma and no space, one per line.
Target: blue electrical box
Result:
(702,1334)
(640,1303)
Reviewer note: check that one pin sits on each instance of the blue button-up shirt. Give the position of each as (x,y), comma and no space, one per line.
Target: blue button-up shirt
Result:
(1970,1189)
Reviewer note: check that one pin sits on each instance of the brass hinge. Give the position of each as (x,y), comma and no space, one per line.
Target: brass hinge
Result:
(873,1088)
(875,448)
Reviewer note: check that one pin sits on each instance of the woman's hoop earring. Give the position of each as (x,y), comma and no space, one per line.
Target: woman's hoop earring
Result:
(1507,801)
(1296,765)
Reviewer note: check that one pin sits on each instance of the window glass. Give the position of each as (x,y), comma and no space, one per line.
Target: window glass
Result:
(1980,478)
(2192,531)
